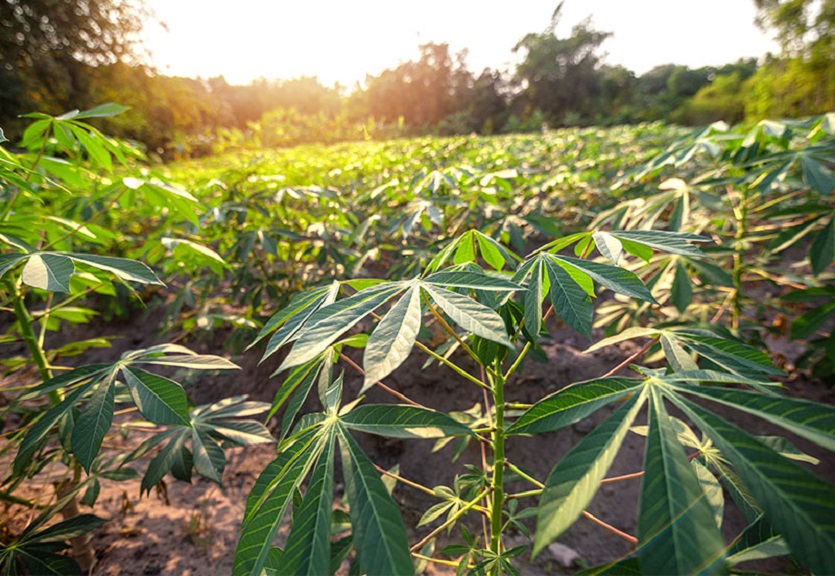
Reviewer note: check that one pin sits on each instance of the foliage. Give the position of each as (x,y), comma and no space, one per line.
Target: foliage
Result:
(479,242)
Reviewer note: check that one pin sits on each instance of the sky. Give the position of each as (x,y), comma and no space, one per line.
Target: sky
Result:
(343,40)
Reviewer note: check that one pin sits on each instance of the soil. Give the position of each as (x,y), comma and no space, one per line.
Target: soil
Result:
(192,529)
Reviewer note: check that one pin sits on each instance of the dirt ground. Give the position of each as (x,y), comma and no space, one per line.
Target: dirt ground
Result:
(192,529)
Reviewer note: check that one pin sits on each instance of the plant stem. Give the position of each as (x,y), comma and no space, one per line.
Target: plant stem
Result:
(451,366)
(450,521)
(498,463)
(24,322)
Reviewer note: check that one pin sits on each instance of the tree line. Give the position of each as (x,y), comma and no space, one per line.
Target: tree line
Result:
(65,54)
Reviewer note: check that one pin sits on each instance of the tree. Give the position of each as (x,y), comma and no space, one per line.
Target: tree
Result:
(559,75)
(47,48)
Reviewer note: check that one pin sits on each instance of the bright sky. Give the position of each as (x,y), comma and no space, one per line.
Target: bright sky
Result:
(341,40)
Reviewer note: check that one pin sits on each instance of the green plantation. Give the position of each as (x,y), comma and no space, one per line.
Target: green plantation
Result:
(710,250)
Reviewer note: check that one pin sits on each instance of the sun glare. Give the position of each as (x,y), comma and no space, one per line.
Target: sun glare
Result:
(344,41)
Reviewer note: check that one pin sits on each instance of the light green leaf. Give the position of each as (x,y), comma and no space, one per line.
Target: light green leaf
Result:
(573,403)
(378,530)
(774,546)
(681,292)
(798,504)
(9,261)
(470,315)
(93,423)
(614,278)
(572,483)
(301,306)
(398,421)
(711,488)
(393,339)
(679,359)
(608,245)
(160,400)
(308,549)
(677,533)
(191,361)
(129,270)
(102,111)
(327,324)
(48,271)
(628,334)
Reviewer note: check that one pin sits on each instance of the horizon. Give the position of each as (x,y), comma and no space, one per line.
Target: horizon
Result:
(367,37)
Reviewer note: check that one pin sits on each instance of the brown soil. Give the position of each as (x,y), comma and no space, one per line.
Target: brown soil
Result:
(193,529)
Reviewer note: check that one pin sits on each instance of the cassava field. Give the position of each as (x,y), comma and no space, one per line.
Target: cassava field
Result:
(588,349)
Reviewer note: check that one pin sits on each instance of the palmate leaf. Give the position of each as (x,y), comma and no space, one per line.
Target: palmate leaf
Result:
(378,530)
(677,533)
(796,503)
(268,501)
(327,324)
(572,483)
(811,420)
(93,423)
(393,339)
(470,315)
(397,421)
(573,403)
(308,549)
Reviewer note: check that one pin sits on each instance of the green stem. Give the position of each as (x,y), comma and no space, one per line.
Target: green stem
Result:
(452,366)
(12,499)
(24,321)
(498,462)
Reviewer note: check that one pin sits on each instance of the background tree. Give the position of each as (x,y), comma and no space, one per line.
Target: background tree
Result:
(47,48)
(559,76)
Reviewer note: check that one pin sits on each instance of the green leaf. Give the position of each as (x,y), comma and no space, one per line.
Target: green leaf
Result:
(612,277)
(209,460)
(470,315)
(669,242)
(731,355)
(93,423)
(191,361)
(608,245)
(68,529)
(822,250)
(798,504)
(327,324)
(308,549)
(123,268)
(814,421)
(89,372)
(679,359)
(102,111)
(572,483)
(48,271)
(165,459)
(398,421)
(293,316)
(393,339)
(572,404)
(379,532)
(160,400)
(570,302)
(533,301)
(681,292)
(37,434)
(9,261)
(268,502)
(628,334)
(774,546)
(676,529)
(465,279)
(712,490)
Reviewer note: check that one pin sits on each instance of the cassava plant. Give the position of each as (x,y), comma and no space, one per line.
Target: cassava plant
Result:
(493,307)
(56,421)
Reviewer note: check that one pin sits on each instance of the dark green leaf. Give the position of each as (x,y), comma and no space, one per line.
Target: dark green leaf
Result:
(160,400)
(379,532)
(93,423)
(570,302)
